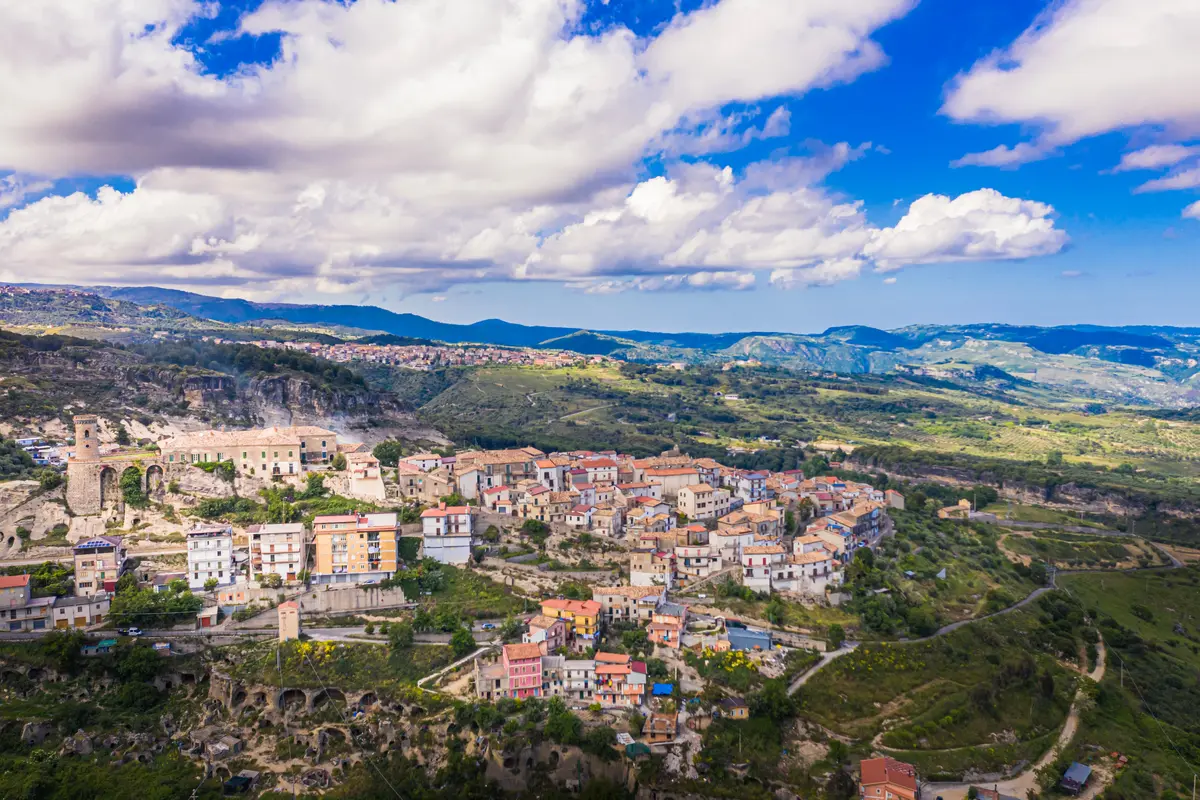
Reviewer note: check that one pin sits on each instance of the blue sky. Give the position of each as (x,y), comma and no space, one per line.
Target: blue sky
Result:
(697,166)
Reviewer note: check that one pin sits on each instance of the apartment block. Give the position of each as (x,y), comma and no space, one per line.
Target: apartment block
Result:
(210,556)
(355,548)
(278,549)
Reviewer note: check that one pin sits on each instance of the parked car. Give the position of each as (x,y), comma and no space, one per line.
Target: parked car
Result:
(134,632)
(487,626)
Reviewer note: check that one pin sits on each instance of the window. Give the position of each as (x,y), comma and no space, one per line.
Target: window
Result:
(264,455)
(243,455)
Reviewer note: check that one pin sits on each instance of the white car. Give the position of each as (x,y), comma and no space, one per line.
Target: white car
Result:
(135,632)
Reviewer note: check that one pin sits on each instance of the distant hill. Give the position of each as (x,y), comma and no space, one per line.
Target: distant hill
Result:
(1142,364)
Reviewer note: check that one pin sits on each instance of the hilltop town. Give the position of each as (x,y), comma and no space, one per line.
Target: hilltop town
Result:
(655,600)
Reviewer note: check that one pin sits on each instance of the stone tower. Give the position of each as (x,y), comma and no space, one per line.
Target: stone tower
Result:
(87,442)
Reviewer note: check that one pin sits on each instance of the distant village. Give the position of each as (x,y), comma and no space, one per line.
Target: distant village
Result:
(428,356)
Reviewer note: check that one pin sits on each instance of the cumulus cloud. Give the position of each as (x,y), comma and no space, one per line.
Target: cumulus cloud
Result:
(978,225)
(1192,211)
(431,143)
(1088,67)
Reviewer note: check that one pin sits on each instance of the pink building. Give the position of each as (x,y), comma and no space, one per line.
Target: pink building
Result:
(523,665)
(551,631)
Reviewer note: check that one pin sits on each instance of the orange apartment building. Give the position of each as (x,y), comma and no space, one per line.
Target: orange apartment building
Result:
(888,779)
(355,548)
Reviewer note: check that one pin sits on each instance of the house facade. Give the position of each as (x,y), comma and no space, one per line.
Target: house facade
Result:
(278,549)
(353,548)
(210,556)
(99,563)
(448,533)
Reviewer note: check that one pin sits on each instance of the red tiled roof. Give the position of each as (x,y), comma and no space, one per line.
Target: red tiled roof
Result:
(888,770)
(13,581)
(521,652)
(445,512)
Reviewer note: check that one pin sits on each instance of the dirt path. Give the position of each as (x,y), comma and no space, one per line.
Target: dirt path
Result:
(1022,784)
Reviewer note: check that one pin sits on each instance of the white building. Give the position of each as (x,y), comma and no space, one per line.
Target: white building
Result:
(807,573)
(279,549)
(757,562)
(210,555)
(448,533)
(701,501)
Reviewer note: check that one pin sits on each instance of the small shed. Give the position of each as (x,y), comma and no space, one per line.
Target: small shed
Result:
(103,647)
(1075,778)
(207,618)
(637,750)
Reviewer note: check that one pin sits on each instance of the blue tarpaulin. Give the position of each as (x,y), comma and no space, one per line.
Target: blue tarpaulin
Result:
(663,689)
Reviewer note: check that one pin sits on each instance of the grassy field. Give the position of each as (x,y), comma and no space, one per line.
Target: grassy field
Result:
(961,701)
(1145,706)
(1019,512)
(348,667)
(1081,551)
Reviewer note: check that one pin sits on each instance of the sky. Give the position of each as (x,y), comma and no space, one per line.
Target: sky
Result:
(662,164)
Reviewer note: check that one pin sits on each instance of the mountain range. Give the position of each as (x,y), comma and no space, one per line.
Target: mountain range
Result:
(1143,364)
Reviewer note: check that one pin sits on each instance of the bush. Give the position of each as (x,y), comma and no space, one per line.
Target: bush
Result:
(222,469)
(272,580)
(131,488)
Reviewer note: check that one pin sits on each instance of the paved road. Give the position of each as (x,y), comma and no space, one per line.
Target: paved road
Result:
(356,635)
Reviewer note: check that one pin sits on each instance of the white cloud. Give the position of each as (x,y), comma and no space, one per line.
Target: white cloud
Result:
(1155,156)
(825,273)
(1185,179)
(1002,156)
(889,280)
(978,225)
(1088,67)
(1192,211)
(435,142)
(1072,273)
(699,281)
(15,188)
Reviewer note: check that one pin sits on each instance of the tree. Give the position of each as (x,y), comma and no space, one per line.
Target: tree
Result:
(776,611)
(636,642)
(131,488)
(272,580)
(400,635)
(836,636)
(63,648)
(315,487)
(789,521)
(369,629)
(462,643)
(338,462)
(123,435)
(1054,458)
(773,702)
(211,584)
(479,554)
(388,452)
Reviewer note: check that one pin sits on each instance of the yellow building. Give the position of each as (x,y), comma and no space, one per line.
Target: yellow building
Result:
(582,617)
(353,548)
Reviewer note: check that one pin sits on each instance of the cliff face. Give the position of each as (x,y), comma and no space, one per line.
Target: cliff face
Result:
(119,384)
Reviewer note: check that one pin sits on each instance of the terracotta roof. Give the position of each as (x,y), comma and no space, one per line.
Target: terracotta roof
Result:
(448,511)
(13,581)
(888,770)
(672,471)
(612,658)
(698,487)
(811,557)
(542,621)
(763,550)
(588,608)
(521,652)
(545,463)
(632,592)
